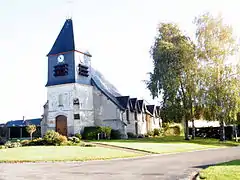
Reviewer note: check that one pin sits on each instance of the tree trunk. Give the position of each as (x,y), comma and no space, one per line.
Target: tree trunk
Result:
(31,136)
(222,131)
(193,129)
(186,128)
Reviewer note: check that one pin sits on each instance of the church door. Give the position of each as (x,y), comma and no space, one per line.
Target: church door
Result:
(61,125)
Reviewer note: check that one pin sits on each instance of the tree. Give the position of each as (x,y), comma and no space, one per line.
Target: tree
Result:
(174,71)
(31,129)
(215,45)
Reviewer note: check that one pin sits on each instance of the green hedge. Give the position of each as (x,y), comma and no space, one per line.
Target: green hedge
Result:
(172,131)
(91,132)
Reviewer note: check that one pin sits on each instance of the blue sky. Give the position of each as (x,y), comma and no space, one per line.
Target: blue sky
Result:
(117,33)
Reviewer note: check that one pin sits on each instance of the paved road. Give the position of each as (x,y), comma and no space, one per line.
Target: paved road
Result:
(165,167)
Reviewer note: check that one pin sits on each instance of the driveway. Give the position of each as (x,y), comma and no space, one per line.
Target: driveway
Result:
(163,167)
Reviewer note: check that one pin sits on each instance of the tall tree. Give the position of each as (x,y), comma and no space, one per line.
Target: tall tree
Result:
(174,71)
(215,45)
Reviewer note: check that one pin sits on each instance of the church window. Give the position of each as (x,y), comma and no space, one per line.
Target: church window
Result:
(76,116)
(60,100)
(75,101)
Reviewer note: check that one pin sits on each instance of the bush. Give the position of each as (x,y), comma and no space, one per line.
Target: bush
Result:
(91,132)
(150,133)
(9,144)
(115,134)
(156,132)
(54,138)
(2,141)
(78,135)
(61,140)
(131,135)
(172,131)
(25,142)
(2,147)
(106,130)
(141,136)
(74,139)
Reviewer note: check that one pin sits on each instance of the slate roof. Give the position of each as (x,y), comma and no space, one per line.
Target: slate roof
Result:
(150,109)
(66,42)
(65,39)
(23,123)
(133,104)
(140,105)
(124,101)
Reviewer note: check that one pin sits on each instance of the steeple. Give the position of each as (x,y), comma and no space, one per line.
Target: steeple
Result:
(65,40)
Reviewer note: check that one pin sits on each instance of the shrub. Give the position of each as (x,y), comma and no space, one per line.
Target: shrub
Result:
(131,135)
(91,132)
(50,137)
(156,132)
(172,131)
(115,134)
(150,133)
(141,136)
(9,144)
(2,141)
(106,130)
(78,135)
(60,140)
(2,147)
(25,142)
(74,139)
(54,138)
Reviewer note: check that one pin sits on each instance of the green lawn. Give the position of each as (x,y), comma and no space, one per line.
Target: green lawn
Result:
(224,171)
(60,153)
(168,144)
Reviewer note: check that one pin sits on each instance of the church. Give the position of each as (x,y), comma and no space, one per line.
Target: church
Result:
(79,96)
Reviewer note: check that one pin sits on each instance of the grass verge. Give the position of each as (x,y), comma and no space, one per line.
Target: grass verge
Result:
(168,144)
(224,171)
(61,153)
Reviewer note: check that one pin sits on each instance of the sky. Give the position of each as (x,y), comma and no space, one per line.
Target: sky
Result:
(118,34)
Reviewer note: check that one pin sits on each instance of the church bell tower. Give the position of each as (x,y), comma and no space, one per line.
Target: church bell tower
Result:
(69,106)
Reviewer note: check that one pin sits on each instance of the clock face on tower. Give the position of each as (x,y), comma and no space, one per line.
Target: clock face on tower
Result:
(60,58)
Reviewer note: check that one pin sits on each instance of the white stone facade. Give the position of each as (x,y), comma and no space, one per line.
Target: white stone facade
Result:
(60,102)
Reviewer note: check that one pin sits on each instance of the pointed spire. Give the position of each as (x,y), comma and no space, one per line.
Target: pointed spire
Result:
(65,39)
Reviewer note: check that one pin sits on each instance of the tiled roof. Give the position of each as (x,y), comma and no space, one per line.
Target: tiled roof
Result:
(23,123)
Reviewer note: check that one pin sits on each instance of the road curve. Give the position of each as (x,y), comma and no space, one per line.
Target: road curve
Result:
(164,167)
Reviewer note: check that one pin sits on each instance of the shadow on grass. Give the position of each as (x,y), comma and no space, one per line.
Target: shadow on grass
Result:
(176,139)
(229,163)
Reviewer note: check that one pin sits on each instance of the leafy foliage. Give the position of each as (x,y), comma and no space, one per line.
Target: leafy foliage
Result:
(31,129)
(91,132)
(131,135)
(174,74)
(156,132)
(115,134)
(78,135)
(54,138)
(215,46)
